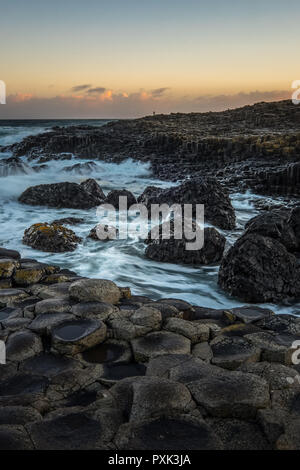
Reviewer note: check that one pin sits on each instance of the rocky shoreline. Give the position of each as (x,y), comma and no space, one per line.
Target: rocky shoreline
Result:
(90,366)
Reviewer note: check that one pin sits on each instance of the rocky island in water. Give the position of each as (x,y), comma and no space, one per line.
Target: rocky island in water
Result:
(141,344)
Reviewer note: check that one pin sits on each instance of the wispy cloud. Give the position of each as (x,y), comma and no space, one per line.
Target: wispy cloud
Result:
(97,90)
(105,103)
(78,88)
(159,91)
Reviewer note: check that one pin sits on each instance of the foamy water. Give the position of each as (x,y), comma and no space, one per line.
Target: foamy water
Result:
(122,261)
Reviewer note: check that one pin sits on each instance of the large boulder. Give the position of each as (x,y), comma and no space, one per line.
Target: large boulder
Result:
(217,205)
(275,224)
(260,269)
(174,251)
(53,238)
(113,197)
(86,195)
(95,290)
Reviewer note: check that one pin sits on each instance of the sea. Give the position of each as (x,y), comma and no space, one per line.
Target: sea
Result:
(122,261)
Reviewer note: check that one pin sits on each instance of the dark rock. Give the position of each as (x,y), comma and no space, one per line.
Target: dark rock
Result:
(14,438)
(275,225)
(22,345)
(73,336)
(69,195)
(52,238)
(95,290)
(231,394)
(159,343)
(174,251)
(12,254)
(68,221)
(97,233)
(113,198)
(239,435)
(207,191)
(230,353)
(260,269)
(174,433)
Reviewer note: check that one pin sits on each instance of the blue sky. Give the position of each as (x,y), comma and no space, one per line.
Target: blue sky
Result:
(191,49)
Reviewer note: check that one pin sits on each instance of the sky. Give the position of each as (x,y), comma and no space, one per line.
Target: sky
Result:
(128,58)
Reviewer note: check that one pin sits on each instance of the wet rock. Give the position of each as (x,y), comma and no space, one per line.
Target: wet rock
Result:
(181,305)
(52,238)
(22,389)
(86,195)
(207,191)
(55,291)
(92,187)
(230,353)
(274,225)
(22,345)
(113,198)
(14,438)
(72,337)
(68,221)
(27,276)
(9,254)
(195,332)
(272,423)
(81,168)
(98,310)
(231,394)
(111,351)
(45,322)
(48,365)
(281,324)
(8,267)
(95,290)
(127,324)
(150,397)
(97,233)
(9,296)
(52,306)
(247,314)
(114,372)
(259,269)
(159,343)
(174,251)
(9,313)
(274,348)
(168,433)
(166,310)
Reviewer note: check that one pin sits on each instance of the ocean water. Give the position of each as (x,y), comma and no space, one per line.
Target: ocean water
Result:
(122,261)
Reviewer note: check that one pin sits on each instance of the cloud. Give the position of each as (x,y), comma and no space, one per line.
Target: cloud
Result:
(110,104)
(159,91)
(99,90)
(80,88)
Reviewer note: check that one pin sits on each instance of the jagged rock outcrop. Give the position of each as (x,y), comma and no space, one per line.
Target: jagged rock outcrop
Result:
(86,195)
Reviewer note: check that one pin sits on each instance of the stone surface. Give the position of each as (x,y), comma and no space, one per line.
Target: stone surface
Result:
(193,331)
(74,336)
(230,353)
(159,343)
(23,344)
(231,394)
(176,433)
(95,290)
